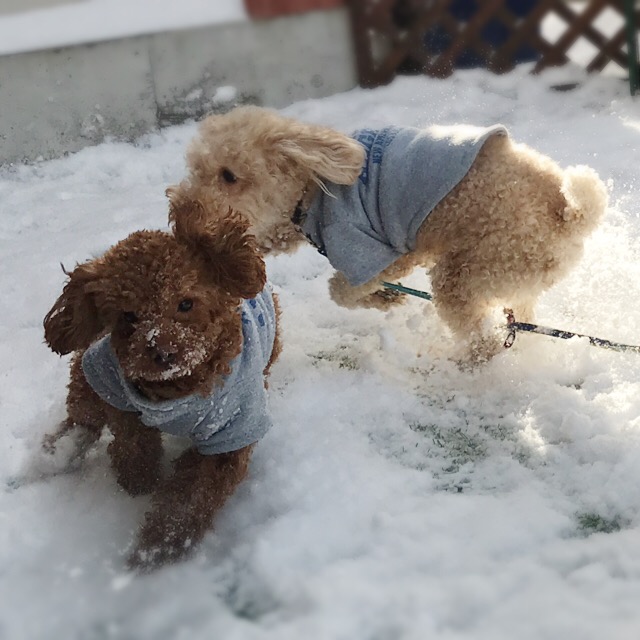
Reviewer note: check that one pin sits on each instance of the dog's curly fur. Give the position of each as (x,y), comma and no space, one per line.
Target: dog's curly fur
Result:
(510,229)
(135,290)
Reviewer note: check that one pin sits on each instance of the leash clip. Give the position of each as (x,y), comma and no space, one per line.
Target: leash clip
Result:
(511,336)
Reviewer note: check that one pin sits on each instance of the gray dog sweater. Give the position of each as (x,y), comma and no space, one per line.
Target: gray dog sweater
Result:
(365,227)
(233,416)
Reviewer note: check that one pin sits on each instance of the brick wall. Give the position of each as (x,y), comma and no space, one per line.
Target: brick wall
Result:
(273,8)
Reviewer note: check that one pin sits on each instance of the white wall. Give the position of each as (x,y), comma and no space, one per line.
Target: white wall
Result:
(20,6)
(57,101)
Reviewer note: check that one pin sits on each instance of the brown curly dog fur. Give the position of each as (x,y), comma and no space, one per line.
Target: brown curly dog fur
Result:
(186,290)
(508,231)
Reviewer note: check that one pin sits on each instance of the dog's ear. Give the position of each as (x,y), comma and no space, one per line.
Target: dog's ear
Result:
(230,253)
(73,322)
(187,214)
(232,257)
(325,153)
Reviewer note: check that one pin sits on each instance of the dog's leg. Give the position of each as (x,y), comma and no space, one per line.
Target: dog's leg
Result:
(372,294)
(135,451)
(343,294)
(84,423)
(184,506)
(524,310)
(464,306)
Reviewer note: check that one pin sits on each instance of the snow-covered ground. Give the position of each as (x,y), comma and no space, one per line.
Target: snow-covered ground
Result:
(396,496)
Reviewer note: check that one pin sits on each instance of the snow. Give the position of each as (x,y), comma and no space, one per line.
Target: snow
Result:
(88,21)
(396,496)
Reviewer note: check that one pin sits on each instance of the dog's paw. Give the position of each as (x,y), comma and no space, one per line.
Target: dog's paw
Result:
(145,560)
(479,352)
(158,546)
(390,295)
(383,299)
(367,295)
(65,450)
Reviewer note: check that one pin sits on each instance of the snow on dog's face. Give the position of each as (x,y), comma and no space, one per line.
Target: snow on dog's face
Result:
(167,319)
(170,302)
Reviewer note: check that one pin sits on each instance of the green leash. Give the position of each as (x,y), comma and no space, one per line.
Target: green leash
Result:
(513,327)
(411,292)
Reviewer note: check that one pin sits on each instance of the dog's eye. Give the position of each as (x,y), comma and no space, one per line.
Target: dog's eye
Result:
(185,305)
(130,317)
(228,176)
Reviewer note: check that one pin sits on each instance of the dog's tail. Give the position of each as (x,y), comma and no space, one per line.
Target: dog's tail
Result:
(586,198)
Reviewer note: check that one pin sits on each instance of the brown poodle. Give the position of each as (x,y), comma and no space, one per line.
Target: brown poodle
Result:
(495,222)
(170,333)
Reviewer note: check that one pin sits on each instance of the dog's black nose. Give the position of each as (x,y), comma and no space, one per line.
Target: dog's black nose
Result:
(164,357)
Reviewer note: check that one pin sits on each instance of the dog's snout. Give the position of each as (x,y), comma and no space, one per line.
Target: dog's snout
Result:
(160,348)
(163,357)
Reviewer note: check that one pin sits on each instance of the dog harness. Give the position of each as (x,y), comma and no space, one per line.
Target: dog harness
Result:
(233,416)
(365,227)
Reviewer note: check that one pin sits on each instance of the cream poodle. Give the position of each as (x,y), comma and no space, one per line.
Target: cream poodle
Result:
(495,222)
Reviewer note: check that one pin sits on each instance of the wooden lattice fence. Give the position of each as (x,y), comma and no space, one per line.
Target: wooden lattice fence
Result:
(435,37)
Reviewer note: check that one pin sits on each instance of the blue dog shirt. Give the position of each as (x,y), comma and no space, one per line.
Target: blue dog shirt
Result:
(233,416)
(365,227)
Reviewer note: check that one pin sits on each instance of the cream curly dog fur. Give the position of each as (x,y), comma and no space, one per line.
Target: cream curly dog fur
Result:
(510,229)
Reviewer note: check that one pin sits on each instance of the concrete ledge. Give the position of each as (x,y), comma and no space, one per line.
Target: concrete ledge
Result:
(59,101)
